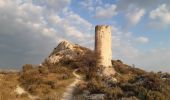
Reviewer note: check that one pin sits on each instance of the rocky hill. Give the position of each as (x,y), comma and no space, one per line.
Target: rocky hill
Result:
(66,51)
(49,80)
(128,83)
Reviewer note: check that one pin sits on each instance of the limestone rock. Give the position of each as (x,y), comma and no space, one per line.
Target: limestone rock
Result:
(65,50)
(63,46)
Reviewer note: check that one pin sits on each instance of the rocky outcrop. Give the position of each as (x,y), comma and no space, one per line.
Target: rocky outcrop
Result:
(64,51)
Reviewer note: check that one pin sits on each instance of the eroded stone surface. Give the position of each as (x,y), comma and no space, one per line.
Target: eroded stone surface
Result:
(103,48)
(65,50)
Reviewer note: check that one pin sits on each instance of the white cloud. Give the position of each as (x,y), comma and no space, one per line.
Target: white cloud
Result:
(122,45)
(161,14)
(55,5)
(154,60)
(134,15)
(106,12)
(142,39)
(124,4)
(123,49)
(2,3)
(29,31)
(29,12)
(32,35)
(71,26)
(90,3)
(49,32)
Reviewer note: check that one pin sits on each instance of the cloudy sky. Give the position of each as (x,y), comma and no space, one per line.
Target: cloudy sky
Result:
(30,29)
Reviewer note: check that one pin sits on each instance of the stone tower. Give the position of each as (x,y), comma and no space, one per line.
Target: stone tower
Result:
(103,49)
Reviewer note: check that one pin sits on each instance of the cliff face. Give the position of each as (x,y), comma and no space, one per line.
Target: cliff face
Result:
(65,50)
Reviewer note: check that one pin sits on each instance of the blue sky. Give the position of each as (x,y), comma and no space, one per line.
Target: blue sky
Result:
(30,29)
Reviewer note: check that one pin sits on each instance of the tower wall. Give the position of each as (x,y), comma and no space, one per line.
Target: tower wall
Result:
(103,48)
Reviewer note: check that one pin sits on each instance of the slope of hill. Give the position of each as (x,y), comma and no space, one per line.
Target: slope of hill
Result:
(128,84)
(49,80)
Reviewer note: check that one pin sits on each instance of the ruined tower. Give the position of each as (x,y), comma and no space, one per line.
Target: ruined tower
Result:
(103,48)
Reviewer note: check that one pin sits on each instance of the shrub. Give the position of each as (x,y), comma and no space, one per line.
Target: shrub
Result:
(80,88)
(49,97)
(137,71)
(59,69)
(141,92)
(27,67)
(87,63)
(31,76)
(65,76)
(155,95)
(113,93)
(95,86)
(43,70)
(119,61)
(120,67)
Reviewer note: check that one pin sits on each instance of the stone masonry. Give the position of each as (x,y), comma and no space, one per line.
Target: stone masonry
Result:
(103,49)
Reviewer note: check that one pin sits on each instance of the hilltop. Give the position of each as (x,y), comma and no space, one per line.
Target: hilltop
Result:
(49,80)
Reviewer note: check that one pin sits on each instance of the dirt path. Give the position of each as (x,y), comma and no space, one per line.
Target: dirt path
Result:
(68,94)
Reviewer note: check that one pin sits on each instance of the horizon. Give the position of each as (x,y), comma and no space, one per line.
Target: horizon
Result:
(30,29)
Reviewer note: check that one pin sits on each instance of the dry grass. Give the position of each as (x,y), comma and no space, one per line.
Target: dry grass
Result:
(48,83)
(132,82)
(8,83)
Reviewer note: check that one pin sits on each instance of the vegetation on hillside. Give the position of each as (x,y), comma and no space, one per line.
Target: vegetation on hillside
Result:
(47,82)
(8,84)
(43,82)
(131,83)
